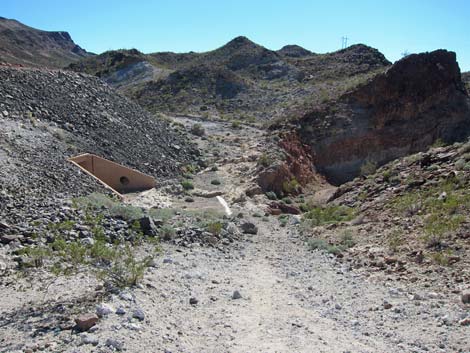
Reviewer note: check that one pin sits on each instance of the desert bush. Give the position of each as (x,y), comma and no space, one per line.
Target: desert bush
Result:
(329,215)
(271,195)
(126,270)
(167,232)
(291,186)
(198,130)
(215,182)
(187,185)
(236,124)
(265,160)
(215,228)
(368,168)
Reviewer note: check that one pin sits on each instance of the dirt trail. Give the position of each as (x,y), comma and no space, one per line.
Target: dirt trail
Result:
(292,299)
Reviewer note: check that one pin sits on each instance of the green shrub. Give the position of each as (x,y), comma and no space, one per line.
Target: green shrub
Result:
(283,219)
(167,232)
(215,228)
(126,270)
(329,215)
(265,160)
(198,130)
(291,187)
(271,195)
(368,168)
(187,185)
(317,244)
(236,124)
(438,143)
(347,241)
(215,182)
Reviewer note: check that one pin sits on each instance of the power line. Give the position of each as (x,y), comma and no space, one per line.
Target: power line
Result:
(344,42)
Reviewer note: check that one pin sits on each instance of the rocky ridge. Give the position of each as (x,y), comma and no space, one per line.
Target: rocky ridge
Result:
(21,44)
(417,101)
(240,80)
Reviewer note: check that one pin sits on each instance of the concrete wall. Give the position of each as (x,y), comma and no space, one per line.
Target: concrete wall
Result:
(113,175)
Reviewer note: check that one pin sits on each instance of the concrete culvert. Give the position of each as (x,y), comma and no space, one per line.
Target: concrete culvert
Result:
(118,178)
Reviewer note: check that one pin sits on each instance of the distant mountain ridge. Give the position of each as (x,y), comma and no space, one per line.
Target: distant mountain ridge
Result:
(24,45)
(241,79)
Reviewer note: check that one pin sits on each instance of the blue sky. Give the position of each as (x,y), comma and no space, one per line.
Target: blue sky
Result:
(200,25)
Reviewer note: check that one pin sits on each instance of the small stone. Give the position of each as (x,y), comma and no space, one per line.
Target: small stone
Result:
(249,228)
(104,309)
(5,113)
(193,301)
(86,321)
(89,339)
(390,260)
(465,322)
(138,314)
(338,306)
(149,226)
(114,343)
(120,311)
(8,238)
(466,297)
(133,326)
(126,296)
(387,305)
(236,295)
(167,261)
(442,196)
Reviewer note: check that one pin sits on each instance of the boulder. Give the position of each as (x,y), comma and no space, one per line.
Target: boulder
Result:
(249,228)
(86,321)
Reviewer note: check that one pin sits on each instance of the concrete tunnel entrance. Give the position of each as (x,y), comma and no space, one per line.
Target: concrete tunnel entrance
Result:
(118,178)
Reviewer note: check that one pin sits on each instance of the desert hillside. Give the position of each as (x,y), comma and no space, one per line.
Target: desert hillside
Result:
(20,44)
(253,200)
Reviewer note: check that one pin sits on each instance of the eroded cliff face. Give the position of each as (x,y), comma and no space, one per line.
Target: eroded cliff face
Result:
(295,170)
(419,100)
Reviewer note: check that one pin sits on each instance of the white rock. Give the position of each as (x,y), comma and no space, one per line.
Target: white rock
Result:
(104,309)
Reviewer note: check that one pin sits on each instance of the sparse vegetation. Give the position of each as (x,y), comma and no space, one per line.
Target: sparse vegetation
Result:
(291,187)
(368,168)
(265,160)
(271,195)
(318,216)
(187,185)
(198,130)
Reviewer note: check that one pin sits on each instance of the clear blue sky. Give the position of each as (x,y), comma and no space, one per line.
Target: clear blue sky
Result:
(392,26)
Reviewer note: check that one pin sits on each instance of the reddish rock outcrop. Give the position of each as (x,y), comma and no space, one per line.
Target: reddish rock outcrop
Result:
(297,167)
(419,100)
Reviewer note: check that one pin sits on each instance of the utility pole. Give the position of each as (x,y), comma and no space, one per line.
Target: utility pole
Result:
(344,42)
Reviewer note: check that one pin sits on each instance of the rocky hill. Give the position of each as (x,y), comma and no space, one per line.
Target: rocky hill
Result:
(294,51)
(48,116)
(240,80)
(419,100)
(20,44)
(414,216)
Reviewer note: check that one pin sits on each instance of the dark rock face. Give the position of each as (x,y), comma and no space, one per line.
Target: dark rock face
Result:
(419,100)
